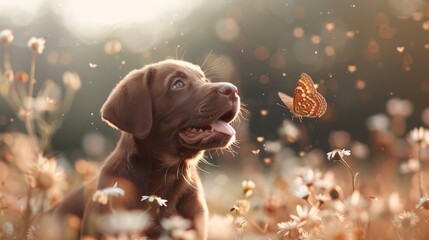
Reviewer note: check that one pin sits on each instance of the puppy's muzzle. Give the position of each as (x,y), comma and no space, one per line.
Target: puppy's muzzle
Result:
(229,90)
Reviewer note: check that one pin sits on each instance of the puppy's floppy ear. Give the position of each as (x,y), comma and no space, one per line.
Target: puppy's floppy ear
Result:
(129,105)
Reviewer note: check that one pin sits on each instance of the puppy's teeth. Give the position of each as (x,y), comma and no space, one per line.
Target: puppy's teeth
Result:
(200,130)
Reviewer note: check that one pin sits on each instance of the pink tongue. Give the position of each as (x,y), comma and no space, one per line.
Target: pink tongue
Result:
(223,127)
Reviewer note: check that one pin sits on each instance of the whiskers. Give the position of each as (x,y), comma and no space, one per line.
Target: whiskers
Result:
(207,57)
(183,54)
(212,70)
(241,113)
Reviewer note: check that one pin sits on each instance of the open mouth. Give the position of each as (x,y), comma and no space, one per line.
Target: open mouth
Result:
(194,134)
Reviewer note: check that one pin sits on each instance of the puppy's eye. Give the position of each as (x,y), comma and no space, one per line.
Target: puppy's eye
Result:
(178,84)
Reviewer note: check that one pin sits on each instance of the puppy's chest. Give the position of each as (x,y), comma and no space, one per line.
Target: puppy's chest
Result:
(170,187)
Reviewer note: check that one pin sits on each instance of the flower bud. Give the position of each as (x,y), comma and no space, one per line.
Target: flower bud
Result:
(6,37)
(37,45)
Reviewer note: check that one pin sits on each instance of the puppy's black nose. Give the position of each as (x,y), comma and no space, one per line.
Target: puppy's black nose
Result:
(228,89)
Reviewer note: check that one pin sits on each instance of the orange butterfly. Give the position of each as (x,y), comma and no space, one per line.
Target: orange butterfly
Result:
(306,101)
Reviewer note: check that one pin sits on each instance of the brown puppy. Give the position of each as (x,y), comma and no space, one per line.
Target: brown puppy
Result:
(168,114)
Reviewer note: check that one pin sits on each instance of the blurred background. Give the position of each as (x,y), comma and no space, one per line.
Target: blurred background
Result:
(368,57)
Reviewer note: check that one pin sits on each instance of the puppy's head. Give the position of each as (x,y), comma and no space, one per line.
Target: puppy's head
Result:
(173,103)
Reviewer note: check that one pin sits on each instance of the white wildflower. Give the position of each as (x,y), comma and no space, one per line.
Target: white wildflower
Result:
(289,131)
(340,217)
(248,187)
(285,228)
(241,207)
(161,202)
(406,220)
(419,135)
(308,176)
(47,176)
(6,37)
(301,191)
(322,198)
(72,80)
(338,154)
(37,45)
(355,206)
(306,235)
(308,217)
(102,196)
(423,202)
(327,182)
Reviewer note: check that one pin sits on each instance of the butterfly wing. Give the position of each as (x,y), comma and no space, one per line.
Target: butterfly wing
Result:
(307,102)
(287,100)
(321,107)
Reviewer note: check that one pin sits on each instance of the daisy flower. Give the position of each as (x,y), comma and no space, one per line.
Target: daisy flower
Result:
(102,196)
(72,80)
(37,45)
(161,202)
(419,135)
(355,206)
(308,176)
(47,176)
(406,219)
(338,154)
(301,191)
(327,182)
(248,187)
(322,198)
(241,207)
(340,217)
(289,131)
(306,235)
(288,228)
(6,37)
(423,202)
(308,217)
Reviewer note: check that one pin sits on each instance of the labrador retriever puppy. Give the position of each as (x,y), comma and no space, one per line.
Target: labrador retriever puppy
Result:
(168,113)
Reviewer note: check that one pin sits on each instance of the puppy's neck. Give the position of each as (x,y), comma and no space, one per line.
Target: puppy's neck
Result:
(141,167)
(151,154)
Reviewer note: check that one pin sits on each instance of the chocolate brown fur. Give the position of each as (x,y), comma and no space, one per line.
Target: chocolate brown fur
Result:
(153,155)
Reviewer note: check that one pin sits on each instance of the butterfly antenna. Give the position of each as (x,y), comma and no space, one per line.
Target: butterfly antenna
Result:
(282,106)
